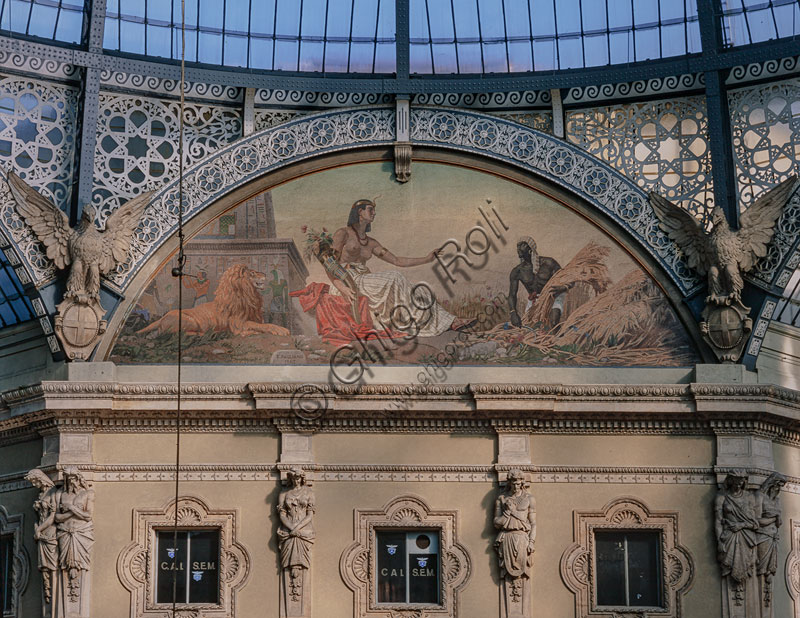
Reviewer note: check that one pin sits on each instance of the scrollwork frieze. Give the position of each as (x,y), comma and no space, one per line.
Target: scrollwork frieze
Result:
(151,85)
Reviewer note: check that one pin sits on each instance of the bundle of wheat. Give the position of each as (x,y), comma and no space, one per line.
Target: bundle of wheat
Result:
(585,276)
(630,314)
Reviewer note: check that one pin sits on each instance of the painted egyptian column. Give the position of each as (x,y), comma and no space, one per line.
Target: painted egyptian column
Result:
(770,521)
(44,534)
(295,540)
(515,518)
(736,521)
(75,537)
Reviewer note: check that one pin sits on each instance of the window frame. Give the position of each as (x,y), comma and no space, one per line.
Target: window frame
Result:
(186,604)
(579,561)
(137,563)
(11,527)
(440,579)
(358,562)
(661,584)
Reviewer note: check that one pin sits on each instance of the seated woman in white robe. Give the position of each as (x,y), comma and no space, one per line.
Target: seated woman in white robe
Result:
(395,303)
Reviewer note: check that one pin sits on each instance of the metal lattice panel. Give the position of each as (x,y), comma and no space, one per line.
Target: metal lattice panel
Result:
(662,146)
(37,140)
(766,136)
(266,118)
(137,144)
(765,123)
(541,121)
(37,134)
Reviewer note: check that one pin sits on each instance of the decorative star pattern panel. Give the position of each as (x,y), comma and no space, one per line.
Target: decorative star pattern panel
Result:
(37,140)
(765,125)
(137,144)
(661,145)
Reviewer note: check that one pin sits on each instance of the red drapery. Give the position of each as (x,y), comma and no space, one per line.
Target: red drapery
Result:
(335,323)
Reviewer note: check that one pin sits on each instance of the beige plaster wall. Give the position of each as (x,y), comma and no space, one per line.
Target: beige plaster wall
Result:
(474,501)
(609,450)
(196,448)
(442,449)
(256,531)
(334,526)
(787,459)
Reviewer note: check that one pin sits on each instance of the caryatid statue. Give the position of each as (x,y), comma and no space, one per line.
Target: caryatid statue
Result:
(770,521)
(736,523)
(75,532)
(295,541)
(515,518)
(65,536)
(44,532)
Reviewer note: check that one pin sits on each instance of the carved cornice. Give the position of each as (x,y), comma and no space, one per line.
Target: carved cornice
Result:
(652,409)
(477,391)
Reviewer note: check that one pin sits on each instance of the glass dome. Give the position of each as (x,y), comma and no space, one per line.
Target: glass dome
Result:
(445,36)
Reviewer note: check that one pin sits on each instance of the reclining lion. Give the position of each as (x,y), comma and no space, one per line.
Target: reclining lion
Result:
(237,307)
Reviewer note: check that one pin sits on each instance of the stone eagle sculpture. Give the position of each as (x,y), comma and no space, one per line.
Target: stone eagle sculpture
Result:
(724,254)
(90,251)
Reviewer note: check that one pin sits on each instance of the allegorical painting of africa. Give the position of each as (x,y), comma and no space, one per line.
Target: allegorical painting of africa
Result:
(456,267)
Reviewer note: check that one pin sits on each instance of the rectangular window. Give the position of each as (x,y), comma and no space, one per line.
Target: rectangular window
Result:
(628,568)
(194,562)
(6,567)
(408,566)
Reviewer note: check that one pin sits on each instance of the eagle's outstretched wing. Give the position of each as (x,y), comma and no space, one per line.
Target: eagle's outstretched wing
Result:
(686,231)
(757,224)
(119,230)
(50,225)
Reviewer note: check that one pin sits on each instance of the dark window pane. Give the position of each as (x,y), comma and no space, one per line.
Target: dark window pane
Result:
(634,555)
(172,561)
(391,548)
(423,581)
(204,580)
(643,569)
(610,558)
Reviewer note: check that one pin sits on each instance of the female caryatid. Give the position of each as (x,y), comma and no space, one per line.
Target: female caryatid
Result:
(736,525)
(45,530)
(515,518)
(296,533)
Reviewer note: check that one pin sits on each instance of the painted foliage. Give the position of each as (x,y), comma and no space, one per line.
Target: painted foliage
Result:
(457,264)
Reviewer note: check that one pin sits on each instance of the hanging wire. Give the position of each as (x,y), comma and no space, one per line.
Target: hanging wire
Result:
(178,272)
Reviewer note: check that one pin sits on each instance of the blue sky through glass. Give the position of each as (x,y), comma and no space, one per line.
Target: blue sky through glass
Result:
(14,305)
